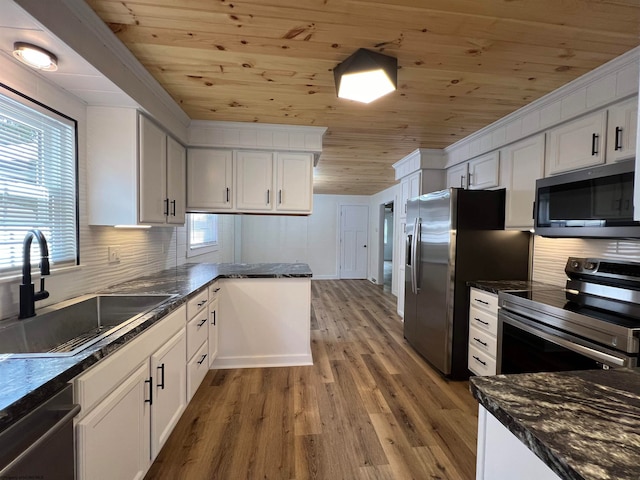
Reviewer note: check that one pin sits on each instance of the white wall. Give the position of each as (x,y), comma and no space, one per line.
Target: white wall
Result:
(143,252)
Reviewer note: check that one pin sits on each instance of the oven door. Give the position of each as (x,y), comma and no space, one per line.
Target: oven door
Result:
(527,346)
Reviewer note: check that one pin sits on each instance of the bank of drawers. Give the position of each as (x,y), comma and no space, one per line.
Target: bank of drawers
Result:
(483,329)
(197,341)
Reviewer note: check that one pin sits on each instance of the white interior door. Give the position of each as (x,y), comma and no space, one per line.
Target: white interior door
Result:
(354,228)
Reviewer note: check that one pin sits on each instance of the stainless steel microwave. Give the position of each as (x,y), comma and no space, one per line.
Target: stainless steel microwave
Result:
(594,202)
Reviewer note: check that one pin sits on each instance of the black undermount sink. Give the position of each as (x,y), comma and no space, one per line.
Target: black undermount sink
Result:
(68,328)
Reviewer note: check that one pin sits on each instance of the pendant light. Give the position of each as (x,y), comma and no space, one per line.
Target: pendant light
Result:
(366,76)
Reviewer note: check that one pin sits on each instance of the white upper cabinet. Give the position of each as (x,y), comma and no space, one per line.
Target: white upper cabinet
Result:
(484,171)
(254,181)
(410,188)
(622,130)
(522,165)
(576,144)
(294,182)
(209,179)
(457,176)
(135,171)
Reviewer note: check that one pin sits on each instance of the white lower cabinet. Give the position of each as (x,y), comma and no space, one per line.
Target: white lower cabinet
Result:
(197,368)
(130,402)
(113,439)
(213,330)
(169,398)
(483,329)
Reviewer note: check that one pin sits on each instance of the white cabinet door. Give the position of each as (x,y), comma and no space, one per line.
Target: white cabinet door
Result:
(415,184)
(622,130)
(404,196)
(484,171)
(254,181)
(153,173)
(457,176)
(522,165)
(113,440)
(576,144)
(214,314)
(210,177)
(295,182)
(176,181)
(169,389)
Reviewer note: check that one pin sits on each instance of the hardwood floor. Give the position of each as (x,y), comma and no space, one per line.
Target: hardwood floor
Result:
(369,407)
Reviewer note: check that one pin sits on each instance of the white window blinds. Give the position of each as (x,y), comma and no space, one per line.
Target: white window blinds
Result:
(37,182)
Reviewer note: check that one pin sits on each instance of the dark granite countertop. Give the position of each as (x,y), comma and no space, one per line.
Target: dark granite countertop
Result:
(27,382)
(497,286)
(584,425)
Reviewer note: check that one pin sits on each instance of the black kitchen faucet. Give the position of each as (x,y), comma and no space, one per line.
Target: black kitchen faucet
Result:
(28,295)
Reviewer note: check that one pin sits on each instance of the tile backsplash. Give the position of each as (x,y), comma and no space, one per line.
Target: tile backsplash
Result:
(550,254)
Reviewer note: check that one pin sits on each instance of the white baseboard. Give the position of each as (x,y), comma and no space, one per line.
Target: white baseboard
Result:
(325,277)
(262,362)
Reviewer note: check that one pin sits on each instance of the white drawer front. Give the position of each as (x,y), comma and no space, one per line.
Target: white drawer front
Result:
(483,341)
(483,320)
(197,368)
(197,304)
(485,300)
(214,289)
(480,363)
(197,332)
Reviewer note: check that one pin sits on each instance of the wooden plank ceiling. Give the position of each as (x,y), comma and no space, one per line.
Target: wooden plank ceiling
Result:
(462,65)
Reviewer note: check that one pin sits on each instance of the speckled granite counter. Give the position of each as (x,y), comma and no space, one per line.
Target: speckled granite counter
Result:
(497,286)
(583,425)
(25,383)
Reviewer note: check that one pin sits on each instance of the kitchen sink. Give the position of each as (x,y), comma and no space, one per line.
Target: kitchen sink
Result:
(68,328)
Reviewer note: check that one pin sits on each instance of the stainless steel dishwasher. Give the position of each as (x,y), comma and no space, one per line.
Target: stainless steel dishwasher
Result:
(41,445)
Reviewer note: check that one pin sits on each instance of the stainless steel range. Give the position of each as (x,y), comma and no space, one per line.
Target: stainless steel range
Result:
(593,323)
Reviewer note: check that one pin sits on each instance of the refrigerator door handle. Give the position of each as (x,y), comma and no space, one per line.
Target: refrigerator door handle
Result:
(414,255)
(407,253)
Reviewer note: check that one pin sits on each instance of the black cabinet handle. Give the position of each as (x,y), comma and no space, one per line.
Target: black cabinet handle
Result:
(166,207)
(481,321)
(618,141)
(216,290)
(227,194)
(202,359)
(480,341)
(484,363)
(268,197)
(214,318)
(279,197)
(202,322)
(150,382)
(481,301)
(201,303)
(594,144)
(161,383)
(173,209)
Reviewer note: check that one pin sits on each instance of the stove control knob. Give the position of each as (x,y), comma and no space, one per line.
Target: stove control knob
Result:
(575,264)
(589,266)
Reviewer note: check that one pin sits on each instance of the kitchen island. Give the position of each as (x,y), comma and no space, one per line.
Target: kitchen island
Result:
(27,382)
(582,425)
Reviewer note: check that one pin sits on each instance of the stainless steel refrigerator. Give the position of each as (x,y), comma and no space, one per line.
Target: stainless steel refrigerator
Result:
(454,236)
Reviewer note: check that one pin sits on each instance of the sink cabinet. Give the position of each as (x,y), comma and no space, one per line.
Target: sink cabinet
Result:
(130,402)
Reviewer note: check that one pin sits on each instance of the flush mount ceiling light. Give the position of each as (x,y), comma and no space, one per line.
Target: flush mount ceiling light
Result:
(366,76)
(35,57)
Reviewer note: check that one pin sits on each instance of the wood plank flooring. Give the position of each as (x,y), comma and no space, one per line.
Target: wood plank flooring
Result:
(369,407)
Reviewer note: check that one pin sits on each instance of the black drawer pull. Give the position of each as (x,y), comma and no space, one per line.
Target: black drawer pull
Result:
(481,321)
(161,383)
(202,359)
(204,320)
(201,303)
(480,341)
(484,363)
(481,301)
(594,144)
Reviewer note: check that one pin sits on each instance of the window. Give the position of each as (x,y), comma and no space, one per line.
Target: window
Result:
(38,186)
(202,233)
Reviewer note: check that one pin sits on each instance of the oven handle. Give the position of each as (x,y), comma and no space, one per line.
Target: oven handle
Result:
(602,357)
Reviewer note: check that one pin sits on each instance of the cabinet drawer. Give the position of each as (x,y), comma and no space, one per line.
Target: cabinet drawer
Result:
(197,304)
(483,341)
(197,332)
(483,320)
(214,290)
(197,368)
(480,363)
(486,301)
